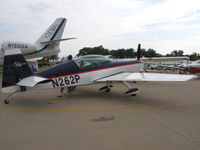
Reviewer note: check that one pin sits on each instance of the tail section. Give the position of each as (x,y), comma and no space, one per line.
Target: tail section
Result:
(54,32)
(15,68)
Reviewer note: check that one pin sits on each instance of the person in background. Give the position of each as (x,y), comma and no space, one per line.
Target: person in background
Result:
(69,89)
(33,68)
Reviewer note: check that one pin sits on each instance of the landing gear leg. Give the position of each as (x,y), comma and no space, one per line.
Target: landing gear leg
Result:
(106,88)
(7,100)
(131,91)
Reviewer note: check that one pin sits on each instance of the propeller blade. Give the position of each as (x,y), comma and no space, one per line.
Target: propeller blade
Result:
(139,52)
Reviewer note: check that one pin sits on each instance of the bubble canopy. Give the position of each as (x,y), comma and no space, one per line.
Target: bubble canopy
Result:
(91,61)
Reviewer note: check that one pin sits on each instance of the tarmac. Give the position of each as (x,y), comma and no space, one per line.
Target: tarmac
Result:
(163,116)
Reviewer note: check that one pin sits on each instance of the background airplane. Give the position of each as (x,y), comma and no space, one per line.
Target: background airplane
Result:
(18,77)
(190,66)
(46,45)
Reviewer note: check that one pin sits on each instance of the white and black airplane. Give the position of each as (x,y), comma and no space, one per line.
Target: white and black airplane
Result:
(46,45)
(18,77)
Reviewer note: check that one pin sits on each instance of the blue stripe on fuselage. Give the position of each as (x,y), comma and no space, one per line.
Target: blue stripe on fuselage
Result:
(70,68)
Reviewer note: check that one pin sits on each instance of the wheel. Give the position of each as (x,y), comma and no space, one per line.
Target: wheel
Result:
(6,101)
(107,90)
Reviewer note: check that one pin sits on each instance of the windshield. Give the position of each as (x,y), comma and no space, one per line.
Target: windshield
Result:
(91,61)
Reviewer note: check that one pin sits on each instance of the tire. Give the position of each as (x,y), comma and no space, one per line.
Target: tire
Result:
(6,101)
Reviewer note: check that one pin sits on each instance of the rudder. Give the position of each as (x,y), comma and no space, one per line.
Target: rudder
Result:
(54,32)
(15,68)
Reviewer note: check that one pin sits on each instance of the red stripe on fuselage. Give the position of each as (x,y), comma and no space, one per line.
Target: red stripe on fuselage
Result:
(95,70)
(14,54)
(9,85)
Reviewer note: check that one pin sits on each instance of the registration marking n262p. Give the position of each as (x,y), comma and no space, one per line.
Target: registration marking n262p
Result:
(65,81)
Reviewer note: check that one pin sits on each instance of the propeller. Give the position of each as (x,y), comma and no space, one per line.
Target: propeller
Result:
(139,52)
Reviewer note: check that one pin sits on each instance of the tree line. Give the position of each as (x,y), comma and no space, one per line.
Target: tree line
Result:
(132,53)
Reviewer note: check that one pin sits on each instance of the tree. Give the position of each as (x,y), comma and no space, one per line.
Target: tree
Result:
(194,56)
(152,53)
(123,53)
(176,53)
(100,50)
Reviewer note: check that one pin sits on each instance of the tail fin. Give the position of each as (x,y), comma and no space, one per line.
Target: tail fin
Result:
(15,68)
(54,32)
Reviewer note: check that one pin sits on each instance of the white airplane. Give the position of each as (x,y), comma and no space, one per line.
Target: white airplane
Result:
(46,45)
(18,77)
(185,67)
(191,67)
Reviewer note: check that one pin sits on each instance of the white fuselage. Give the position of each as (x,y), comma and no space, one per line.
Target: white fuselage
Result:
(88,77)
(85,78)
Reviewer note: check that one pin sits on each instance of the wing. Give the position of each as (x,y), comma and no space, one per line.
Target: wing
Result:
(32,81)
(126,76)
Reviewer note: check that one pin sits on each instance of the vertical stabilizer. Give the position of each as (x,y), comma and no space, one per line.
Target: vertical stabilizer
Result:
(15,68)
(54,32)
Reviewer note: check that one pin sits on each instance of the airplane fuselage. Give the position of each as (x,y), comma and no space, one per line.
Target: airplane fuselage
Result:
(70,74)
(30,50)
(46,45)
(194,67)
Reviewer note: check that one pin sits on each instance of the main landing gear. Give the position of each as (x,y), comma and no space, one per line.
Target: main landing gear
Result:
(131,91)
(106,88)
(7,100)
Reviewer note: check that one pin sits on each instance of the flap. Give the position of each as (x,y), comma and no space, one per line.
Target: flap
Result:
(32,81)
(126,76)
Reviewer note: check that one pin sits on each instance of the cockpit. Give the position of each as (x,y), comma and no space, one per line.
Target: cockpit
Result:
(91,61)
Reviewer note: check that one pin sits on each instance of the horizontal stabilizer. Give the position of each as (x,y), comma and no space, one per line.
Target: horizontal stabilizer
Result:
(59,40)
(32,81)
(127,76)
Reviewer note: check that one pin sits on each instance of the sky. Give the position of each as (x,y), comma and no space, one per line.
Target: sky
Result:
(164,25)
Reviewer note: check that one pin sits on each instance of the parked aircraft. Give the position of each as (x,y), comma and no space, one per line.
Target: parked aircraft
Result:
(46,45)
(191,67)
(184,67)
(18,77)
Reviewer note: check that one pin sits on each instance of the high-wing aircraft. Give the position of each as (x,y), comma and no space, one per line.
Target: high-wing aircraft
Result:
(18,77)
(46,45)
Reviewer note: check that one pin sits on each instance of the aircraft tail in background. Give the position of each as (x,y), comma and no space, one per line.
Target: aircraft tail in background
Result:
(54,32)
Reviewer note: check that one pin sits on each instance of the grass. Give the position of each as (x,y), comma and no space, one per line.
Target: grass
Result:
(43,68)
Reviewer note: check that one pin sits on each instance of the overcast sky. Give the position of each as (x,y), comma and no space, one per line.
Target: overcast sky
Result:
(163,25)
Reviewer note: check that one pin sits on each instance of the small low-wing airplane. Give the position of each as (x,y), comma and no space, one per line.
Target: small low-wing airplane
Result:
(46,45)
(18,77)
(192,67)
